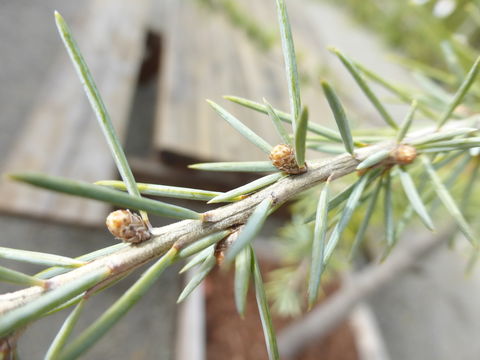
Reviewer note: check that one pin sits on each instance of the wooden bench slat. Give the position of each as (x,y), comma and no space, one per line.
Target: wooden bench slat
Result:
(219,61)
(62,136)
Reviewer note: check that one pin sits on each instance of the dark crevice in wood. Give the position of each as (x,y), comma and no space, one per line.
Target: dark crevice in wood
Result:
(138,140)
(151,59)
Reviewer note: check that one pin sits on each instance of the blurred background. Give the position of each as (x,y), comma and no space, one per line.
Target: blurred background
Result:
(155,62)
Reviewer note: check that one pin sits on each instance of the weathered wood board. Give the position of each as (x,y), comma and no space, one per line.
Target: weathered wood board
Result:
(205,56)
(62,136)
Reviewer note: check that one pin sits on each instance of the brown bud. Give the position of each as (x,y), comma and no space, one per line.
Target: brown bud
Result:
(127,226)
(283,158)
(362,172)
(404,154)
(222,246)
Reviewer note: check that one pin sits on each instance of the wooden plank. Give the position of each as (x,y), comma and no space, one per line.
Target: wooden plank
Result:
(62,136)
(205,57)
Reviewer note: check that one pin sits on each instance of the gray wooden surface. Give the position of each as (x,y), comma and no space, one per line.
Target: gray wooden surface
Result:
(61,135)
(204,56)
(27,55)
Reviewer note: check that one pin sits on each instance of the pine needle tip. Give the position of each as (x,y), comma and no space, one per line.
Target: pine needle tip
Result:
(333,49)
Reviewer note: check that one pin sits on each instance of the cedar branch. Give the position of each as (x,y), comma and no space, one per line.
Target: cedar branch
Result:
(185,232)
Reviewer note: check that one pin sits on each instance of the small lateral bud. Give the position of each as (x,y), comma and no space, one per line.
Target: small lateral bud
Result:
(128,227)
(283,158)
(404,154)
(222,246)
(362,172)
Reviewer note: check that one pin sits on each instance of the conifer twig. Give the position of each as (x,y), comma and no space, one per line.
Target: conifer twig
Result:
(186,232)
